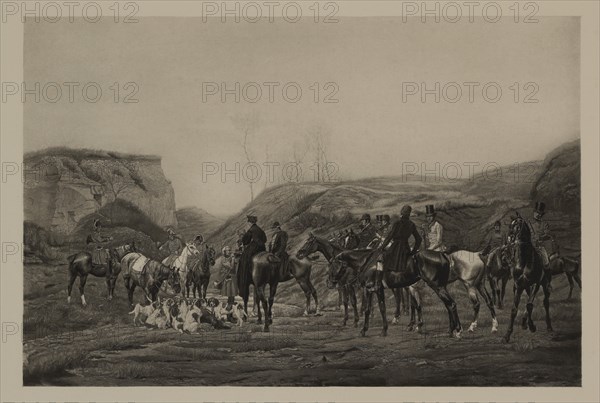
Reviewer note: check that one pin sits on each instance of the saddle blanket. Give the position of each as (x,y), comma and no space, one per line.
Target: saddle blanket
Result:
(139,263)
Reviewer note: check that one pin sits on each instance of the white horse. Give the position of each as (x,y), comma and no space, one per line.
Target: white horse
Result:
(179,263)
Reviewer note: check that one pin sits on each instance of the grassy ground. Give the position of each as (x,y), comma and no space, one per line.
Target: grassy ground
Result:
(98,345)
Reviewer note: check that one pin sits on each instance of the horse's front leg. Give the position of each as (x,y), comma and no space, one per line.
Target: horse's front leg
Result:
(354,303)
(398,298)
(368,297)
(513,313)
(272,291)
(381,303)
(72,277)
(345,305)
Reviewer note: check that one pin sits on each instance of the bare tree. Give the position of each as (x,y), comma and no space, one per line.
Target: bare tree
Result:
(317,140)
(117,179)
(247,124)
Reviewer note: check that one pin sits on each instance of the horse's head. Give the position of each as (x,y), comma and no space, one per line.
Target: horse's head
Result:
(518,229)
(192,249)
(174,280)
(309,247)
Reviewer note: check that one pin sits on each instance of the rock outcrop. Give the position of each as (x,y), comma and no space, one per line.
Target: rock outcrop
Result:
(64,186)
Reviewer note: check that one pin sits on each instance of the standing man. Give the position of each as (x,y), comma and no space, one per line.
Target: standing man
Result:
(97,244)
(227,267)
(434,231)
(278,247)
(367,231)
(541,232)
(254,241)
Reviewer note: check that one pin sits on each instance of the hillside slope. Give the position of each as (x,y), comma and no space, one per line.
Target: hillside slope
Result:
(467,209)
(194,220)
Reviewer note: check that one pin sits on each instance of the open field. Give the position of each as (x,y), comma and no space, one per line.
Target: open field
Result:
(98,345)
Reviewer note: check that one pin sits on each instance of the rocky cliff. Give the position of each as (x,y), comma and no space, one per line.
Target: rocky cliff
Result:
(65,188)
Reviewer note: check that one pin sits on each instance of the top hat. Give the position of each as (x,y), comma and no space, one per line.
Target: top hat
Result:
(252,218)
(275,224)
(429,210)
(379,217)
(540,208)
(366,217)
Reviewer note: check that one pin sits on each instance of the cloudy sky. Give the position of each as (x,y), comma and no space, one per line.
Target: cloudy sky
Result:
(369,131)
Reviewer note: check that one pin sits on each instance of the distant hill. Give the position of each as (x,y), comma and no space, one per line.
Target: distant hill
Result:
(194,220)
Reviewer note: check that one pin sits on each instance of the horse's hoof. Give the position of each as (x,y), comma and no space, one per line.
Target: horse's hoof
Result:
(410,327)
(355,324)
(418,329)
(549,329)
(68,300)
(363,333)
(259,321)
(532,328)
(266,329)
(384,333)
(305,313)
(395,321)
(524,324)
(506,338)
(457,334)
(473,327)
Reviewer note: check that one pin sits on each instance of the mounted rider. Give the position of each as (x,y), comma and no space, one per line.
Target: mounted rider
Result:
(278,246)
(97,244)
(367,231)
(497,239)
(540,232)
(254,241)
(396,257)
(172,247)
(433,230)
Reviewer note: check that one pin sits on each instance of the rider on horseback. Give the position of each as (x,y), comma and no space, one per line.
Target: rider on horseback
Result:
(98,245)
(278,246)
(173,245)
(254,241)
(496,240)
(367,231)
(397,256)
(433,231)
(541,232)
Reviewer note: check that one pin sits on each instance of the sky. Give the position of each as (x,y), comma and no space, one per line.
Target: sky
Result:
(368,65)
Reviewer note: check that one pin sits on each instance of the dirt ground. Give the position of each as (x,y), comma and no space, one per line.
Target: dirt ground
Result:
(98,345)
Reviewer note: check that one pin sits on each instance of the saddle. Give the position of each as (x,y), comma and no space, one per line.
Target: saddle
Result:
(100,256)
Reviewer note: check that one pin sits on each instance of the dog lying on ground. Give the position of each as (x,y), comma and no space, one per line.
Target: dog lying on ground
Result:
(233,313)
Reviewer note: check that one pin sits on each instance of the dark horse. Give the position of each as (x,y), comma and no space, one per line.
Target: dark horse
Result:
(80,265)
(498,272)
(430,266)
(198,276)
(149,279)
(266,270)
(528,274)
(329,250)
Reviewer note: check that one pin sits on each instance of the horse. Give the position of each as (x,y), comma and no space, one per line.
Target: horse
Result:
(430,266)
(498,272)
(329,250)
(150,279)
(179,263)
(528,274)
(80,265)
(198,277)
(565,264)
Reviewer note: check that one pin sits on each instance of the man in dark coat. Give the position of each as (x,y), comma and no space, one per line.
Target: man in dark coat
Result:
(97,244)
(367,231)
(396,257)
(254,241)
(278,247)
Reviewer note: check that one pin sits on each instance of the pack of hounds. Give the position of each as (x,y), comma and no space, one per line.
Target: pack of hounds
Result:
(185,315)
